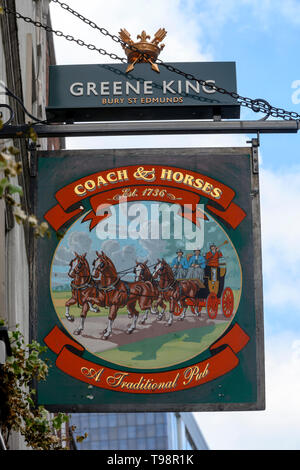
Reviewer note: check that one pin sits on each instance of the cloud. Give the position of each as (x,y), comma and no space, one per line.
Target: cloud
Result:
(77,241)
(280,195)
(123,257)
(134,16)
(276,428)
(252,15)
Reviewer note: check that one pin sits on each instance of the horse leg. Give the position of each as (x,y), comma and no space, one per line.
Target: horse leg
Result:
(170,321)
(162,312)
(111,318)
(93,300)
(182,315)
(108,330)
(129,312)
(134,315)
(197,311)
(69,302)
(154,305)
(85,309)
(93,309)
(90,300)
(145,316)
(154,308)
(145,302)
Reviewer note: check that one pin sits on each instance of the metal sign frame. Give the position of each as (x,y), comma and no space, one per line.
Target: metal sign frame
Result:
(211,396)
(151,128)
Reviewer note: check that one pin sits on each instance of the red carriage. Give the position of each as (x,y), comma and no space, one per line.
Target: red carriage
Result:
(211,295)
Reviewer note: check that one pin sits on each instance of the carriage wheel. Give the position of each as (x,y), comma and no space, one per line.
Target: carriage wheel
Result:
(191,303)
(177,310)
(212,305)
(227,302)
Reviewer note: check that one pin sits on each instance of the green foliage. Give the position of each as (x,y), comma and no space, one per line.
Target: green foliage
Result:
(18,410)
(8,189)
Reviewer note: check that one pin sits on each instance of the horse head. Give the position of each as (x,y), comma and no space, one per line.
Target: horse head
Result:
(141,271)
(162,268)
(158,269)
(79,266)
(103,264)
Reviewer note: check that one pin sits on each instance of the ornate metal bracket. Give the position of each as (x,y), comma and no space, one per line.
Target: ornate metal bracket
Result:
(9,93)
(12,114)
(262,103)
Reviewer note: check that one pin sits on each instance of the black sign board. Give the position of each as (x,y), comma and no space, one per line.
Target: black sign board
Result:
(101,92)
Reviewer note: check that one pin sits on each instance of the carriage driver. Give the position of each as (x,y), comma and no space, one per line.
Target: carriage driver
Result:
(197,264)
(180,265)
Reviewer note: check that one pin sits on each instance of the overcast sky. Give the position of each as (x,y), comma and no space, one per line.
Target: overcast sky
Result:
(262,37)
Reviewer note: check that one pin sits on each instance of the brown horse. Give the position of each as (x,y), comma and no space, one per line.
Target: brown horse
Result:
(143,273)
(115,293)
(174,291)
(80,285)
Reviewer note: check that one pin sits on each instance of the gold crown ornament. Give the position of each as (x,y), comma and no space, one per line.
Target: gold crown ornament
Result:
(152,49)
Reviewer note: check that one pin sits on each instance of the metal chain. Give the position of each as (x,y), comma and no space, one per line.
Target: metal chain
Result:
(256,105)
(68,37)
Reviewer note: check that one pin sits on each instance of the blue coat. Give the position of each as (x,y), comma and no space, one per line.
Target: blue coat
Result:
(200,260)
(183,262)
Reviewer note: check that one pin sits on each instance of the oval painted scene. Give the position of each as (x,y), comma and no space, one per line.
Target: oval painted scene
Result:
(147,287)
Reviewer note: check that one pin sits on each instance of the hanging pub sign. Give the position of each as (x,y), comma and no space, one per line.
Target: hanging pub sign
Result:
(142,90)
(150,299)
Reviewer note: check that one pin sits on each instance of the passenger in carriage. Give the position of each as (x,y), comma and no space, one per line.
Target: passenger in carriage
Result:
(197,265)
(180,265)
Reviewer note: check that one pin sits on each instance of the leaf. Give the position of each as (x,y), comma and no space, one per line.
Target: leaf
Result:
(32,134)
(3,185)
(81,438)
(59,419)
(15,188)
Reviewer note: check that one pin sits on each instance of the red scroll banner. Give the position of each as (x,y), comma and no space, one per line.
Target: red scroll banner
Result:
(169,184)
(223,360)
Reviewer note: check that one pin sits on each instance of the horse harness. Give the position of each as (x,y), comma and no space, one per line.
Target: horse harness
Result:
(112,287)
(81,287)
(171,286)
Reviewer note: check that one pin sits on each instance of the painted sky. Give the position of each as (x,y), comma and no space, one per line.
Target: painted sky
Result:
(262,37)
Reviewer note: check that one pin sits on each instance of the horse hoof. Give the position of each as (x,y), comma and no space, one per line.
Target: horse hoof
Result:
(77,332)
(129,332)
(105,337)
(70,318)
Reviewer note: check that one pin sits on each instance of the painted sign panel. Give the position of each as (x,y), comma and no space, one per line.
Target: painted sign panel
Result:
(148,301)
(106,92)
